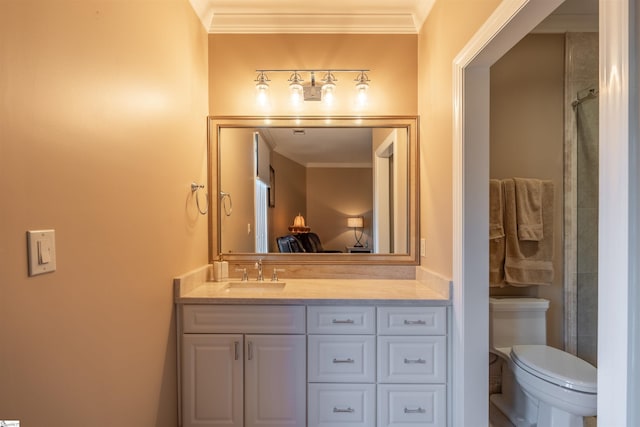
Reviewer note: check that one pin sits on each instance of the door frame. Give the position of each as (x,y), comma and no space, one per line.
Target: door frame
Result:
(619,226)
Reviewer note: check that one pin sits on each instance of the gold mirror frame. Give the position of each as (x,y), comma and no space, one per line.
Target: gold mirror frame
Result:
(215,123)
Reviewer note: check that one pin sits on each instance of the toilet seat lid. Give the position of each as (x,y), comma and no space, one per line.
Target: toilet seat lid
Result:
(556,366)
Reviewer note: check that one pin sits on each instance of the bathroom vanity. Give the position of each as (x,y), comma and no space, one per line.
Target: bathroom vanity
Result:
(321,352)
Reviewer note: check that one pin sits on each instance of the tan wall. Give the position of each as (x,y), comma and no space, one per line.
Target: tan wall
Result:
(103,108)
(450,25)
(527,136)
(237,177)
(290,196)
(326,189)
(233,60)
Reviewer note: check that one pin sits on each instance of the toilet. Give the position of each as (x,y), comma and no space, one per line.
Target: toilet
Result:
(541,385)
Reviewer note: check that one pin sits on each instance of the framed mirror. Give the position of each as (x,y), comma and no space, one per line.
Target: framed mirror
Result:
(320,190)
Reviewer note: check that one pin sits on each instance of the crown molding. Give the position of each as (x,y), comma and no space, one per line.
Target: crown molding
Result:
(254,23)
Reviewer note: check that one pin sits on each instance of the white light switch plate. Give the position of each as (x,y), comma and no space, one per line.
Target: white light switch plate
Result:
(41,251)
(423,247)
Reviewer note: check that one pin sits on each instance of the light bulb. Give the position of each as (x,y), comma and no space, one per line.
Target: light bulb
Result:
(362,94)
(296,88)
(362,85)
(262,88)
(328,94)
(329,87)
(296,93)
(263,95)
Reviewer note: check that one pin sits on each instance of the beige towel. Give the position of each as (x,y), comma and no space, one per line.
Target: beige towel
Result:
(496,234)
(529,209)
(528,262)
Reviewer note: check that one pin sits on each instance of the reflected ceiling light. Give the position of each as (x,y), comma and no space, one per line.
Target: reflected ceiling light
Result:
(263,88)
(310,91)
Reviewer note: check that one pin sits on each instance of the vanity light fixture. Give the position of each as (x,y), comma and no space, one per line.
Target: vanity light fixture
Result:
(310,91)
(356,222)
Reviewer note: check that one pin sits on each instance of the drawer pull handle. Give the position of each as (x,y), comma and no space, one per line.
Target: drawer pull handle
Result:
(250,350)
(345,321)
(236,346)
(343,410)
(420,361)
(418,410)
(348,360)
(415,322)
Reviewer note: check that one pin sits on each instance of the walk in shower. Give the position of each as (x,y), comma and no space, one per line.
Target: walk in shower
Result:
(581,196)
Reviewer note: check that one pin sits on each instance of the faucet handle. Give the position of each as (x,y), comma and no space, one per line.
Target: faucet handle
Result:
(245,275)
(274,276)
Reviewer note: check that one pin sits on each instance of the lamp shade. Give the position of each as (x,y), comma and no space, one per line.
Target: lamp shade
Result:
(355,222)
(298,221)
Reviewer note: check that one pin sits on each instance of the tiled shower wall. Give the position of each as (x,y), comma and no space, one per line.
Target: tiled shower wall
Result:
(581,196)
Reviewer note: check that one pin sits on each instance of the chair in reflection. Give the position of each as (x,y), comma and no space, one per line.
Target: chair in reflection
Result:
(302,242)
(289,244)
(311,243)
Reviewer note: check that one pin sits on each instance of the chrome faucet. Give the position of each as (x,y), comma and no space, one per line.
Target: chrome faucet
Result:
(259,267)
(245,276)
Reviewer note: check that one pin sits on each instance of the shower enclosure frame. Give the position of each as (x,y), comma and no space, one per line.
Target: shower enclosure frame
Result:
(581,65)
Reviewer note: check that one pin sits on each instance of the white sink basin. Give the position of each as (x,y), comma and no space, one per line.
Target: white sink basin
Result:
(255,286)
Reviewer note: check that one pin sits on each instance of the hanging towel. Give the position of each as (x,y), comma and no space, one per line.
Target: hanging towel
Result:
(528,262)
(529,209)
(496,234)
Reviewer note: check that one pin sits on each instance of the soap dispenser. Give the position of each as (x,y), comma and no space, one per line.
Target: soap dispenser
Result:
(220,270)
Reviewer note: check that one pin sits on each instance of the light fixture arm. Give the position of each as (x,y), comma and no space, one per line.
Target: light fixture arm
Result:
(308,92)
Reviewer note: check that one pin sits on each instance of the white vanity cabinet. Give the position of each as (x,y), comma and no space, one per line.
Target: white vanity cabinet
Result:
(243,366)
(313,365)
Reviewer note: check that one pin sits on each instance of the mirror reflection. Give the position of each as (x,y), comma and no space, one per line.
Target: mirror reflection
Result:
(314,187)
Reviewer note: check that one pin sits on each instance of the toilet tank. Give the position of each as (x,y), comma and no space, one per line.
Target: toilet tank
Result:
(516,321)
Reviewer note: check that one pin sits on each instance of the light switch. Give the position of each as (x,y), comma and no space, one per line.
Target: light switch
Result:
(41,251)
(423,247)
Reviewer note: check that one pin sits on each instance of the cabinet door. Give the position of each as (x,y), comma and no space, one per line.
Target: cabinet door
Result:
(212,380)
(275,380)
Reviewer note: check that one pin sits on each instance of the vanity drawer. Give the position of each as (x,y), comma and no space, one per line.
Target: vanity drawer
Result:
(341,320)
(249,319)
(341,404)
(412,359)
(412,320)
(412,405)
(341,358)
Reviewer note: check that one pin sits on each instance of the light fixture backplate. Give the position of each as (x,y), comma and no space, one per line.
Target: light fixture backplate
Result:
(312,93)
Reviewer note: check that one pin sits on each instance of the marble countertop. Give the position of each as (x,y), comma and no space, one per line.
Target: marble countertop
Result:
(196,289)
